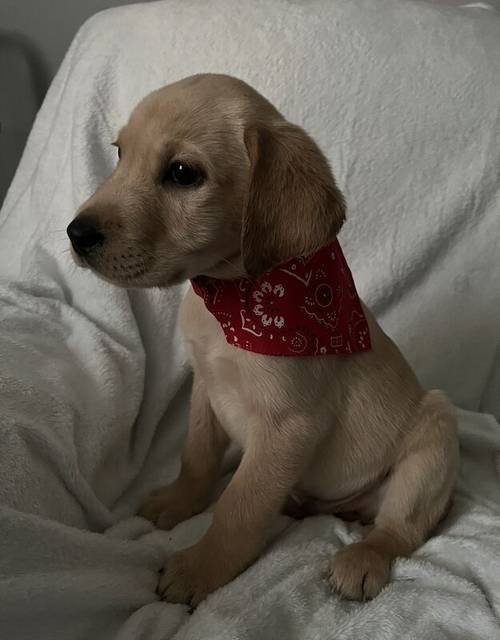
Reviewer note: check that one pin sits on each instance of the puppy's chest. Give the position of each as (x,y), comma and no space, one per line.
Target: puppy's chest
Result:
(222,368)
(229,400)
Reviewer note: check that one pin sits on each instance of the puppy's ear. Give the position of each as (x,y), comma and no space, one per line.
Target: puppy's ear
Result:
(294,206)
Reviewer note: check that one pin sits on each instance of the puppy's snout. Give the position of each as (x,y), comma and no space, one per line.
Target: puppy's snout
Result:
(85,233)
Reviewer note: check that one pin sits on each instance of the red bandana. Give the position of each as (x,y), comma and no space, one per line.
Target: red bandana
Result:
(307,306)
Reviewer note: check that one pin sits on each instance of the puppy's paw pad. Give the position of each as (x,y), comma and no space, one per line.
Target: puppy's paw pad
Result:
(359,572)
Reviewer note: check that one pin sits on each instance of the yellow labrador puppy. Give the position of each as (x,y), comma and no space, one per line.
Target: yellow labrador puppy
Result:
(214,185)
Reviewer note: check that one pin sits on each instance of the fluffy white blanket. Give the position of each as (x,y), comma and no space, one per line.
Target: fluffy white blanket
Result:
(403,98)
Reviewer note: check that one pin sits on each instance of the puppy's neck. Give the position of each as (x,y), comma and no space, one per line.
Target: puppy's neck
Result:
(307,306)
(230,267)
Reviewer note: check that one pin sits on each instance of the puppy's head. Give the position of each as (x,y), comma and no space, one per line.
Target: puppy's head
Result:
(210,180)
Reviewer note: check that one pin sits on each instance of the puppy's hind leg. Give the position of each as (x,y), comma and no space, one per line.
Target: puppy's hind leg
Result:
(418,493)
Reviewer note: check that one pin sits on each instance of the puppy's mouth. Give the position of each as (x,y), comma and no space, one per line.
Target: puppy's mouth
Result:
(78,259)
(134,270)
(124,270)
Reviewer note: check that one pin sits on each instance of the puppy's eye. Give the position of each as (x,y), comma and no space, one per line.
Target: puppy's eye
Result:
(183,175)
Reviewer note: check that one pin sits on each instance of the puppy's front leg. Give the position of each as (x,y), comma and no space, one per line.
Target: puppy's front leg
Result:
(273,462)
(201,459)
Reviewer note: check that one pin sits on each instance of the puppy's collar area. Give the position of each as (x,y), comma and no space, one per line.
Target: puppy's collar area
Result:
(307,306)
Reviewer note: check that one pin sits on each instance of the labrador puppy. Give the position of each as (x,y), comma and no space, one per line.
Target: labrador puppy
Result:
(214,185)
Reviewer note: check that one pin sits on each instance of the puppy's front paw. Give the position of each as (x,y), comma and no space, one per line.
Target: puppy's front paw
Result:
(189,576)
(359,572)
(166,507)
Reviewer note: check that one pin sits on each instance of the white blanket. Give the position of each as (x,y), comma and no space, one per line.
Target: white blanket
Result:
(404,99)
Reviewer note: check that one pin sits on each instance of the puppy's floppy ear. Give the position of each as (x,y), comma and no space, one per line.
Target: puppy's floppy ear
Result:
(294,206)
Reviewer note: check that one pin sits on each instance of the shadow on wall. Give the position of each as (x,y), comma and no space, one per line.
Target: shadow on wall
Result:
(26,80)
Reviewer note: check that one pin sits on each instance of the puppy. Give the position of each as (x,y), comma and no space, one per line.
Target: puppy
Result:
(214,185)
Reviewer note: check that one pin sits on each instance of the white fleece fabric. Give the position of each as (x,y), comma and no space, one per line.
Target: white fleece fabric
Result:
(94,382)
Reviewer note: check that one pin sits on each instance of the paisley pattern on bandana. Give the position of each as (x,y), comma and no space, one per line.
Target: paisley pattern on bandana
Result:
(307,306)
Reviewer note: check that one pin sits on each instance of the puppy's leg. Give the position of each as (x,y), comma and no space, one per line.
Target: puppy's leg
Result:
(417,495)
(272,463)
(201,459)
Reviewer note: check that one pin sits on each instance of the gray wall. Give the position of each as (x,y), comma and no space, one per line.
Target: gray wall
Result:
(34,36)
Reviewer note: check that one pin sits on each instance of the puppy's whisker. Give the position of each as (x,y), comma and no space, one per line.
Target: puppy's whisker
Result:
(53,230)
(231,264)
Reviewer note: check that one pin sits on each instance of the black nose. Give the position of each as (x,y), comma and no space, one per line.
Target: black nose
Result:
(85,234)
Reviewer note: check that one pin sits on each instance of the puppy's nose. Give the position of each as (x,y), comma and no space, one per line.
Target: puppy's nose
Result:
(85,234)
